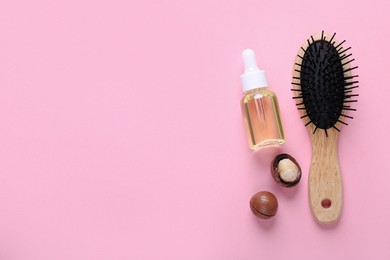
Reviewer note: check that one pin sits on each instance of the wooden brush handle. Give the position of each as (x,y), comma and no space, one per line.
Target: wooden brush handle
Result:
(325,184)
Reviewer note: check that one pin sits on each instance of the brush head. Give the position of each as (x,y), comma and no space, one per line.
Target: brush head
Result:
(323,82)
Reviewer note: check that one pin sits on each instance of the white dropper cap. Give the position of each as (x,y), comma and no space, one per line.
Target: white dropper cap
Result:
(253,77)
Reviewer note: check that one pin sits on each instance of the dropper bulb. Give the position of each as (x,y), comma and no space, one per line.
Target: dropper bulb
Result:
(253,77)
(249,59)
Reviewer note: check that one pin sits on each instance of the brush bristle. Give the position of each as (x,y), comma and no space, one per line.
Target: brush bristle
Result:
(324,85)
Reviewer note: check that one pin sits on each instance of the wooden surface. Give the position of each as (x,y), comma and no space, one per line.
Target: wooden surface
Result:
(325,182)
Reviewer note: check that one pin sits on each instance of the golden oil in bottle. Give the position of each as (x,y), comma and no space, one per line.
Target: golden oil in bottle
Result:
(259,107)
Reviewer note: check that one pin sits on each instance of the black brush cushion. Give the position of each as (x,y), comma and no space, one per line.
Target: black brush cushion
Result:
(322,83)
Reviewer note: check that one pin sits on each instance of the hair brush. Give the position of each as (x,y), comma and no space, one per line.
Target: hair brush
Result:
(323,86)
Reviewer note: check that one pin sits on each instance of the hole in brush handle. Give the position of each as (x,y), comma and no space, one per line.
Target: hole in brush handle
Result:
(326,203)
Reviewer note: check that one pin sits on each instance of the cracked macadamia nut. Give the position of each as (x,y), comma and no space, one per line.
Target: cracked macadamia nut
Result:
(286,170)
(264,204)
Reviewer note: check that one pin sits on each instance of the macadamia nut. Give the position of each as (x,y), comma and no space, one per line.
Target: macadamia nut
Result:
(285,170)
(288,170)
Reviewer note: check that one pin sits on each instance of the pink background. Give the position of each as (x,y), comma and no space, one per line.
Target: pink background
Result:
(121,134)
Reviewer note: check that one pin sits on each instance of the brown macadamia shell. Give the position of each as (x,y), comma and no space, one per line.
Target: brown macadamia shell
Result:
(285,170)
(264,204)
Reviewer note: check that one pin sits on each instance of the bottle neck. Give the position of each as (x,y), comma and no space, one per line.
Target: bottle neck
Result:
(253,90)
